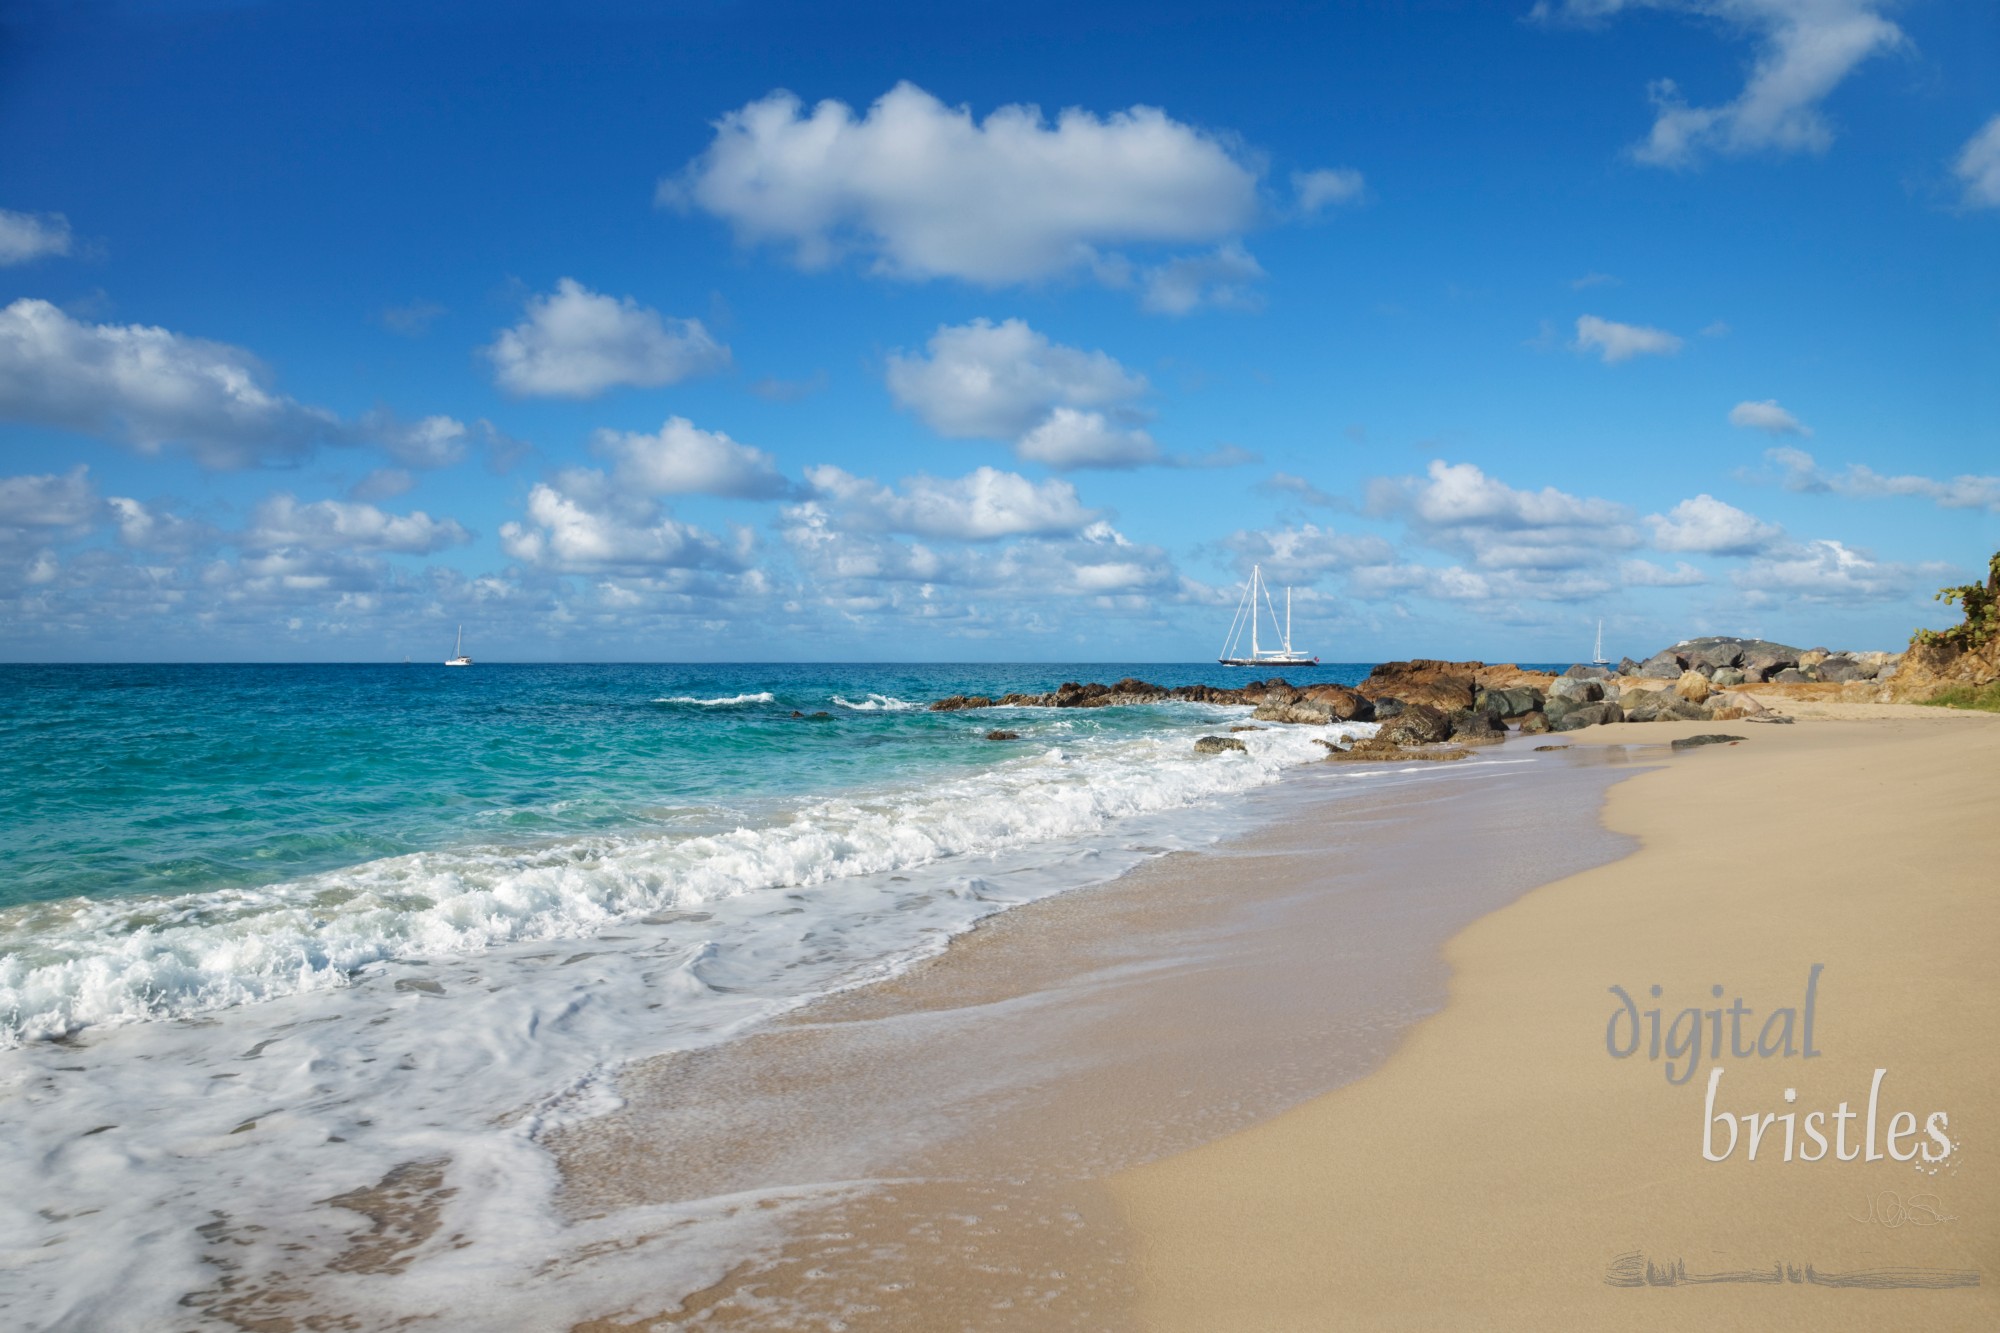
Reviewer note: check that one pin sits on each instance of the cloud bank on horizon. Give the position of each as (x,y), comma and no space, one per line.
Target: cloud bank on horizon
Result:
(914,373)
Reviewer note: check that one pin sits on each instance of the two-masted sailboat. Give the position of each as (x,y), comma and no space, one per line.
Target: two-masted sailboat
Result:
(1254,594)
(458,657)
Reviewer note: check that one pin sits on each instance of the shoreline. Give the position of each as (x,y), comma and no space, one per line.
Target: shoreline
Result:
(971,1108)
(1866,848)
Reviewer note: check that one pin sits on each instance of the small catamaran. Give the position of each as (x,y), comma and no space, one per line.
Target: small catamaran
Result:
(458,657)
(1246,615)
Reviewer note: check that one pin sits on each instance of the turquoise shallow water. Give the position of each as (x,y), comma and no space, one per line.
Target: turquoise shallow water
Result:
(169,779)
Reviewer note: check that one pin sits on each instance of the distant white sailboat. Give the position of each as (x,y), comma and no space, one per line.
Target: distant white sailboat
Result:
(1597,657)
(1246,615)
(458,657)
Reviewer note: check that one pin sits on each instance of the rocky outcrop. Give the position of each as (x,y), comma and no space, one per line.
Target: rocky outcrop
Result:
(1315,703)
(1377,750)
(1590,715)
(1444,685)
(1219,745)
(1519,701)
(1967,655)
(1418,724)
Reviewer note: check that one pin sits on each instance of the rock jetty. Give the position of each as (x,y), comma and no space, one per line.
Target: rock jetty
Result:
(1433,709)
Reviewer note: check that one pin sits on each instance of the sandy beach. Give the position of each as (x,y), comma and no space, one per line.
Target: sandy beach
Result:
(1505,1170)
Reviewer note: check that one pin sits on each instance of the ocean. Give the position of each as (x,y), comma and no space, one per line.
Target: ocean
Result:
(269,934)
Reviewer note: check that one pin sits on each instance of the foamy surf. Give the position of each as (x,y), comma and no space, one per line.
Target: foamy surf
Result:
(123,960)
(432,1016)
(763,697)
(878,703)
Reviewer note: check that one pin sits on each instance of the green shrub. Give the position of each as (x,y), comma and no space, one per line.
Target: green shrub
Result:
(1983,697)
(1982,614)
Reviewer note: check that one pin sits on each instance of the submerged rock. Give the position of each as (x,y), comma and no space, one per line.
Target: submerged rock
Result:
(1003,735)
(1219,745)
(1707,738)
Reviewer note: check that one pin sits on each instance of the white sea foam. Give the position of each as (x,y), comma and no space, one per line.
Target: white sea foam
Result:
(882,703)
(431,1008)
(763,698)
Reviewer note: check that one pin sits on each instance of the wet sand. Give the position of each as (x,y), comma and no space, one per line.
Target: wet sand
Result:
(1504,1171)
(978,1104)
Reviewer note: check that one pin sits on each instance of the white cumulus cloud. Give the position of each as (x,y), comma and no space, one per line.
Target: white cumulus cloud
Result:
(149,387)
(282,523)
(1060,406)
(577,343)
(1806,48)
(921,189)
(1768,417)
(1978,167)
(1712,527)
(48,500)
(1965,491)
(983,505)
(29,236)
(1324,188)
(1826,571)
(1072,439)
(1458,507)
(1000,380)
(583,522)
(1616,342)
(683,459)
(1221,278)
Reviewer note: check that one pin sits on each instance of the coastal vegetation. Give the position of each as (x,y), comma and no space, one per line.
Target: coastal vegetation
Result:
(1960,667)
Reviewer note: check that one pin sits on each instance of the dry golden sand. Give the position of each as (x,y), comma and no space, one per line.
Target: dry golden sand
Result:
(1492,1172)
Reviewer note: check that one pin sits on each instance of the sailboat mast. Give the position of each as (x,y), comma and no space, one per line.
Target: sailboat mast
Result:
(1288,620)
(1256,578)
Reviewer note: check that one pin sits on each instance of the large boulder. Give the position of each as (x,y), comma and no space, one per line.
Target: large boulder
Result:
(1533,724)
(1345,704)
(1577,690)
(1448,686)
(1664,706)
(1587,671)
(1417,724)
(1726,677)
(1842,668)
(961,701)
(1692,686)
(1508,703)
(1387,708)
(1789,676)
(1627,667)
(1716,655)
(1662,666)
(1470,726)
(1309,711)
(1590,715)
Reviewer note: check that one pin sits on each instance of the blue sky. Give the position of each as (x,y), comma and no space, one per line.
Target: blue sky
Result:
(785,332)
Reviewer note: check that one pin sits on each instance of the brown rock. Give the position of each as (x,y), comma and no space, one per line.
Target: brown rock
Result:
(1419,724)
(1449,686)
(1692,686)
